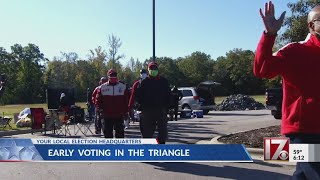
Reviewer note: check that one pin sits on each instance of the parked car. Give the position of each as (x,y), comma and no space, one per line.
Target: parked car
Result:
(274,101)
(198,98)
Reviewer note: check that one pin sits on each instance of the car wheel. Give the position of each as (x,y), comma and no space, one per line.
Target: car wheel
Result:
(186,106)
(205,112)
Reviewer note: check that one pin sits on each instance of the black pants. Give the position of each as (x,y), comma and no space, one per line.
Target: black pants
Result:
(153,118)
(306,170)
(108,124)
(97,122)
(176,112)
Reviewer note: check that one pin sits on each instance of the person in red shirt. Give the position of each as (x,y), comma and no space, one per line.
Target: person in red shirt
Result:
(133,102)
(298,64)
(136,84)
(112,100)
(97,120)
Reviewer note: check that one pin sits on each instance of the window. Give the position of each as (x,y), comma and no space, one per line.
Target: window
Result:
(187,93)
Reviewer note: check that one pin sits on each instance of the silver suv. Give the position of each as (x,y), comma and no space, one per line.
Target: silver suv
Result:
(198,98)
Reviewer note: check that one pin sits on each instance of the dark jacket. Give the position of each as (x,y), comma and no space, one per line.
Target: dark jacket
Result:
(154,93)
(176,96)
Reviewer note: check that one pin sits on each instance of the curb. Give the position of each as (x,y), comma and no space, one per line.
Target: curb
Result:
(255,153)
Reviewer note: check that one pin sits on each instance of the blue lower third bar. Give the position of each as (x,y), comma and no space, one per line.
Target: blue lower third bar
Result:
(145,153)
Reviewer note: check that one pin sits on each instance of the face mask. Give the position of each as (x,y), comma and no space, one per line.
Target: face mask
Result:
(143,76)
(153,73)
(113,80)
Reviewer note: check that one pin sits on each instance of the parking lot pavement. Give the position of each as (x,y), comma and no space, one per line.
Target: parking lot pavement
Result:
(183,131)
(190,131)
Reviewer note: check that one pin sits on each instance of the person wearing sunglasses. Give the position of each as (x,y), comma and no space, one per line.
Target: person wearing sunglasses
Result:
(298,64)
(112,101)
(153,95)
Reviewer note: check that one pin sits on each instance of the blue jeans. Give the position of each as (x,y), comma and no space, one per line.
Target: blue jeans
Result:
(306,170)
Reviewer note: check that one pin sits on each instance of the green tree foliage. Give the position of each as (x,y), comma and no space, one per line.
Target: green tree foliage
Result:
(8,65)
(234,72)
(197,67)
(296,25)
(169,69)
(221,74)
(113,54)
(29,73)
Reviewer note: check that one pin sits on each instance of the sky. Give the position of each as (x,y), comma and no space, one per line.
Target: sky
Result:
(182,26)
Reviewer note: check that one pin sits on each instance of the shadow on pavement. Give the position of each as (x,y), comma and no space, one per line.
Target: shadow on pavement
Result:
(266,164)
(179,132)
(221,172)
(236,114)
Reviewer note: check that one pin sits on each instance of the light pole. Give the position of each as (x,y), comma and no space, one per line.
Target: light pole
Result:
(154,32)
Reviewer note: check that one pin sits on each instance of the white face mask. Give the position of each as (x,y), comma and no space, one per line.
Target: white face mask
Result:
(143,76)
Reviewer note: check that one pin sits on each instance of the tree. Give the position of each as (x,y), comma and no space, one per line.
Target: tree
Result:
(8,65)
(240,67)
(98,59)
(234,72)
(97,54)
(221,74)
(113,53)
(197,68)
(170,70)
(296,25)
(30,75)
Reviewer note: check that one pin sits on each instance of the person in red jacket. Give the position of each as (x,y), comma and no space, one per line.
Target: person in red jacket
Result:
(112,101)
(298,64)
(136,84)
(97,120)
(132,101)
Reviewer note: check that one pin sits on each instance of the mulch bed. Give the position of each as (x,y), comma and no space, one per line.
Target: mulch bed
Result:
(253,138)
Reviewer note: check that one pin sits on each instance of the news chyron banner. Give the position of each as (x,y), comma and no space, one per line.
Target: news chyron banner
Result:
(117,150)
(280,149)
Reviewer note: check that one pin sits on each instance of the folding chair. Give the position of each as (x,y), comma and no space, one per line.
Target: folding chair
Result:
(38,120)
(63,128)
(4,122)
(86,125)
(52,121)
(83,124)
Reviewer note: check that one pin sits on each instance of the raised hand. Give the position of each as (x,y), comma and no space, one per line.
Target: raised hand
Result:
(272,25)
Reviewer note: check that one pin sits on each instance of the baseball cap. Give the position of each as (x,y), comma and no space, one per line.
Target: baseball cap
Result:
(152,64)
(112,72)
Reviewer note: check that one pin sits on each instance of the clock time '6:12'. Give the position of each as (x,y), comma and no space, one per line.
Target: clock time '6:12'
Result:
(299,158)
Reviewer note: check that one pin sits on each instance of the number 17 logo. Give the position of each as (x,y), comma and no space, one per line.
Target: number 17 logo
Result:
(276,149)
